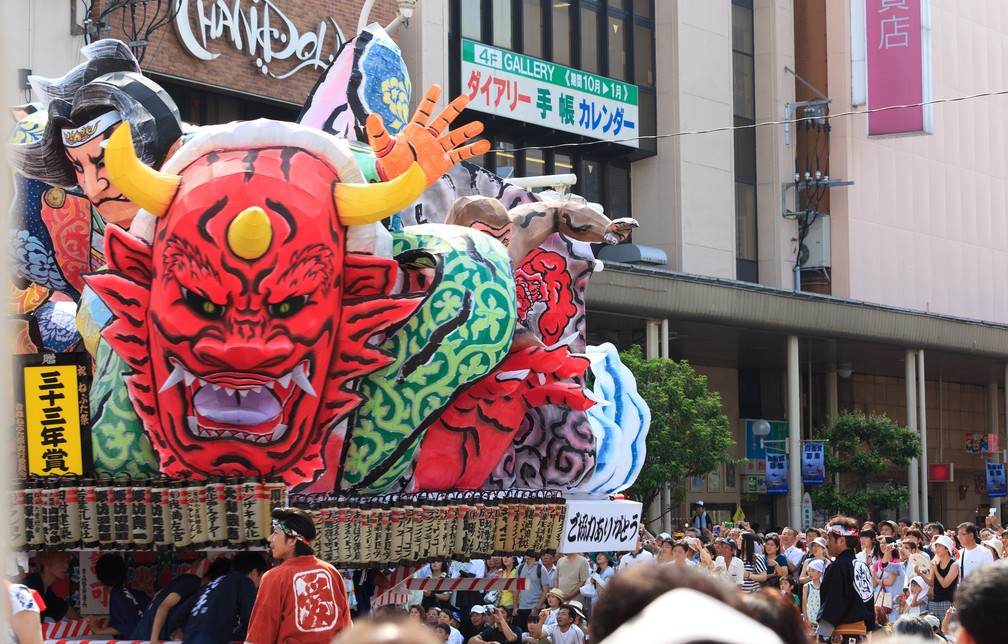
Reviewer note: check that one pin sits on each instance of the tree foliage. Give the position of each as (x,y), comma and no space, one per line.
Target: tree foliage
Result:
(689,433)
(862,450)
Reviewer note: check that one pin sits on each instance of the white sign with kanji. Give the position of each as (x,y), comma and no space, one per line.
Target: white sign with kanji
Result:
(539,92)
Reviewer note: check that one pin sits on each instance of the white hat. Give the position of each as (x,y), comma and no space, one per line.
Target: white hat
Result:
(944,540)
(692,612)
(932,620)
(476,609)
(817,564)
(700,503)
(665,535)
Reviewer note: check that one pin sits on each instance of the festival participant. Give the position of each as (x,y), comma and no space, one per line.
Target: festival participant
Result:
(973,555)
(794,554)
(700,519)
(890,575)
(571,574)
(776,562)
(50,568)
(303,599)
(942,575)
(160,615)
(498,629)
(222,611)
(23,626)
(982,604)
(755,565)
(564,631)
(125,605)
(537,584)
(847,607)
(817,550)
(637,555)
(554,600)
(727,566)
(812,593)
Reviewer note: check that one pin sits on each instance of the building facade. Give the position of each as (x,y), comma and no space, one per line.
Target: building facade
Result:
(723,107)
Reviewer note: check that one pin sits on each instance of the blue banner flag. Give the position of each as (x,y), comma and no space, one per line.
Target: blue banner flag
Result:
(776,474)
(813,467)
(996,485)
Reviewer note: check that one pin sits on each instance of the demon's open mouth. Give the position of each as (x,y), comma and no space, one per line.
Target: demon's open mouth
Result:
(238,406)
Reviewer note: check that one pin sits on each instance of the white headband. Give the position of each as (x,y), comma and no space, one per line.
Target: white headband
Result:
(839,529)
(77,136)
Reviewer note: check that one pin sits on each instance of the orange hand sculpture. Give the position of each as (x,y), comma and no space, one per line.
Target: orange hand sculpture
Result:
(431,145)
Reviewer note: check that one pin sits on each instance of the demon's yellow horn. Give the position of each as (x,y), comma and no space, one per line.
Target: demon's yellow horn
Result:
(250,233)
(144,186)
(359,204)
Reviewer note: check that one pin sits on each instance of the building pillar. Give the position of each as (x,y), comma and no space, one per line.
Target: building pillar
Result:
(794,433)
(913,470)
(922,424)
(652,350)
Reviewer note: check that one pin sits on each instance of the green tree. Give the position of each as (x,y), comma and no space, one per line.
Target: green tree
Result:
(689,433)
(862,450)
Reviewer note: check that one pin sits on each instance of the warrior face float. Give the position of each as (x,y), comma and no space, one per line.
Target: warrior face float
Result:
(246,279)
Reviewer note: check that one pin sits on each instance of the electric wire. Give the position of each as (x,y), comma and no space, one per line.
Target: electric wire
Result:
(732,128)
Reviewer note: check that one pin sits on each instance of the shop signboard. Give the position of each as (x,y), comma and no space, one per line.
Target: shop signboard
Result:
(539,92)
(898,51)
(51,413)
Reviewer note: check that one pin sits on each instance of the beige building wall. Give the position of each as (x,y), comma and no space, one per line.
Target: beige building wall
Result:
(926,224)
(39,35)
(685,196)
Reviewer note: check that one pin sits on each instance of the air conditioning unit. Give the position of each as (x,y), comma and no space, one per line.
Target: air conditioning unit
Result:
(814,251)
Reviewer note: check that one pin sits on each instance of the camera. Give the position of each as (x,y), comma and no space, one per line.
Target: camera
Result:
(647,542)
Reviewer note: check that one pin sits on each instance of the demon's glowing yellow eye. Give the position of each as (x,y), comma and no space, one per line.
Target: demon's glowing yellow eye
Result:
(202,306)
(288,307)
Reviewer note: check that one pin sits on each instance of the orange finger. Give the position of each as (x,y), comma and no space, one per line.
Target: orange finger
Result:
(426,108)
(449,113)
(457,137)
(378,136)
(469,151)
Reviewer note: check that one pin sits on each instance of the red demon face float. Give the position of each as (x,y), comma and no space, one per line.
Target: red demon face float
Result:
(246,314)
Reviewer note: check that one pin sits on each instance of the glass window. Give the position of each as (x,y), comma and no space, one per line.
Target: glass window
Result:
(471,19)
(589,183)
(745,151)
(643,8)
(745,221)
(742,29)
(561,33)
(590,39)
(532,19)
(535,162)
(744,86)
(504,159)
(501,17)
(618,192)
(643,43)
(562,163)
(617,48)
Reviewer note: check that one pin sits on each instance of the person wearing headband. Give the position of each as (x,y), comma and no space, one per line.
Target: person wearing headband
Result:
(303,599)
(848,612)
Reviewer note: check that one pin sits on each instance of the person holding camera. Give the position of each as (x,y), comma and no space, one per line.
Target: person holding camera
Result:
(497,629)
(637,555)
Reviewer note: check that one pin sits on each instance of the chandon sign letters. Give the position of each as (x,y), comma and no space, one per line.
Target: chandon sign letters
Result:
(258,28)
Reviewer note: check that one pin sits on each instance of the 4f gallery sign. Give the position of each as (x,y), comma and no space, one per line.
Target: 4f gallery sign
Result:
(259,29)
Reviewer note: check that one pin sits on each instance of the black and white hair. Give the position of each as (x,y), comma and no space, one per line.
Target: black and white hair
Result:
(110,81)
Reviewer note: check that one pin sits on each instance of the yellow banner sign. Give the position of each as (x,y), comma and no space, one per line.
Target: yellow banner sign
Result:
(52,420)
